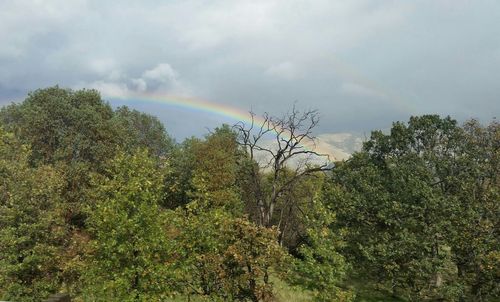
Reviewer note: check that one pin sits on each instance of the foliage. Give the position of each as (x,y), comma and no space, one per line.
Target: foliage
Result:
(212,164)
(32,229)
(319,266)
(141,130)
(78,126)
(79,132)
(402,198)
(224,258)
(76,133)
(286,159)
(101,203)
(178,186)
(221,255)
(294,209)
(475,230)
(129,250)
(216,170)
(61,124)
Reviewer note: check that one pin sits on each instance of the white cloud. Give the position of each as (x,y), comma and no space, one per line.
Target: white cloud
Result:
(162,78)
(162,73)
(140,84)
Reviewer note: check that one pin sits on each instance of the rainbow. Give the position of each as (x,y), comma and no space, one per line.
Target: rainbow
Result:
(205,106)
(193,104)
(338,65)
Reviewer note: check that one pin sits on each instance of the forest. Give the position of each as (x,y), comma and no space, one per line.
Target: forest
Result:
(101,203)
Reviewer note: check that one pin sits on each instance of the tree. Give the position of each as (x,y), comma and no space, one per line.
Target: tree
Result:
(141,130)
(129,249)
(221,255)
(213,163)
(402,199)
(293,208)
(63,125)
(183,164)
(284,179)
(70,130)
(287,162)
(475,229)
(79,132)
(318,265)
(32,229)
(216,169)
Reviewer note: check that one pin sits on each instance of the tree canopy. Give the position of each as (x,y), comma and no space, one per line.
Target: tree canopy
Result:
(101,203)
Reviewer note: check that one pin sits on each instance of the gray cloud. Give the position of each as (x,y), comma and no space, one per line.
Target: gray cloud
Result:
(362,63)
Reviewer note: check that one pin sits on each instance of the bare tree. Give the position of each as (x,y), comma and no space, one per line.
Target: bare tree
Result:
(290,157)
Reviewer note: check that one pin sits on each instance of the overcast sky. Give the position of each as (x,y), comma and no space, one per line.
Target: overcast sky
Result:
(363,64)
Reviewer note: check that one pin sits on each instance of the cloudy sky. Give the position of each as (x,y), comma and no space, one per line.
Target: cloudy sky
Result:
(362,64)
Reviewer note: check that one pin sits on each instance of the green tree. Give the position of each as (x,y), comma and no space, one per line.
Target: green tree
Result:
(141,130)
(319,266)
(63,125)
(212,163)
(402,200)
(32,229)
(183,163)
(216,169)
(70,130)
(129,248)
(77,133)
(475,231)
(80,132)
(221,255)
